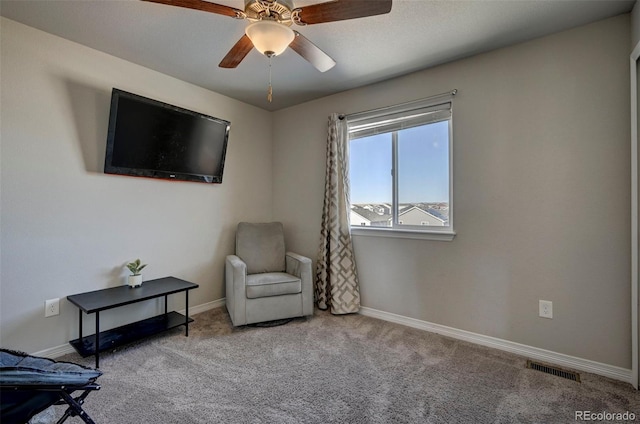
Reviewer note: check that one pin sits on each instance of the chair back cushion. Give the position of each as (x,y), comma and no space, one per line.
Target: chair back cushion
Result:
(261,246)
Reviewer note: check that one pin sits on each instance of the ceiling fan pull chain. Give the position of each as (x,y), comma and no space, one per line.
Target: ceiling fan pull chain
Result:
(270,91)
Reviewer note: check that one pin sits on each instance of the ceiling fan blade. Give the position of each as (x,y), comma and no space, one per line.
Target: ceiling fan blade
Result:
(312,53)
(204,6)
(341,10)
(237,53)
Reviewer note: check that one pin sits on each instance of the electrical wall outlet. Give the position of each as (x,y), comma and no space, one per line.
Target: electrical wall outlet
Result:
(545,309)
(51,307)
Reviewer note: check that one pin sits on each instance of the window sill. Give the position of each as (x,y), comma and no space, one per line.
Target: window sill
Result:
(405,234)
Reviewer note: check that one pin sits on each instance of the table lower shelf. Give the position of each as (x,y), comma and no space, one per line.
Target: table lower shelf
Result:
(119,336)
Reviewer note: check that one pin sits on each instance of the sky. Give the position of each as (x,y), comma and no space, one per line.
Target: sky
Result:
(423,161)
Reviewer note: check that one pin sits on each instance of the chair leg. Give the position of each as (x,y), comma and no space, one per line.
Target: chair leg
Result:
(75,407)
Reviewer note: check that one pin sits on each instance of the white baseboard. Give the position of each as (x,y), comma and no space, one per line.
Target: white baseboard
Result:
(560,359)
(55,352)
(193,310)
(58,351)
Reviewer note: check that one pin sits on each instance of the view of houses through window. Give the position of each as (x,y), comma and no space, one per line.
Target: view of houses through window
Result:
(380,214)
(400,178)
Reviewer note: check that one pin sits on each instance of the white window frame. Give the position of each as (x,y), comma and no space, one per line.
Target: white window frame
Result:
(405,116)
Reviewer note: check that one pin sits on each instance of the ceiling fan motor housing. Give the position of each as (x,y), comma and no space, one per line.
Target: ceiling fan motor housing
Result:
(277,10)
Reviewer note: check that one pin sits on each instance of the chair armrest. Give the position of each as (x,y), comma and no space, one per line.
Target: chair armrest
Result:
(300,266)
(235,284)
(236,264)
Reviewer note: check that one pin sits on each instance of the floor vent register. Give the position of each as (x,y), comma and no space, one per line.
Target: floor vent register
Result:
(559,372)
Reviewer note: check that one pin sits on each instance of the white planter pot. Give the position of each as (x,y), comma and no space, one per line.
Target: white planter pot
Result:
(135,280)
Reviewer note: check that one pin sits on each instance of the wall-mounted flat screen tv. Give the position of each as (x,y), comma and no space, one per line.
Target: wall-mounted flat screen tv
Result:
(148,138)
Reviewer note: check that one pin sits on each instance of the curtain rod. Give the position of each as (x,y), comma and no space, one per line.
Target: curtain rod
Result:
(435,96)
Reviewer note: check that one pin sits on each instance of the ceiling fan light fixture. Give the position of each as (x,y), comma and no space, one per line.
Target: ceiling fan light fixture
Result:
(269,37)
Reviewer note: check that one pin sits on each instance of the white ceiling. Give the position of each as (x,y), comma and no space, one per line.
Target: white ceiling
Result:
(417,34)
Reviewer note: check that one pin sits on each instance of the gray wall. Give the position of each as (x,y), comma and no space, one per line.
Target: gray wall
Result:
(67,227)
(635,38)
(635,25)
(541,191)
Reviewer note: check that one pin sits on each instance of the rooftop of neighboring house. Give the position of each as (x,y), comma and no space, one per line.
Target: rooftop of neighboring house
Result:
(377,212)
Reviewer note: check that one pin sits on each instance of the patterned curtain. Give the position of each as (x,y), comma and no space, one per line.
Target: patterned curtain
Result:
(336,285)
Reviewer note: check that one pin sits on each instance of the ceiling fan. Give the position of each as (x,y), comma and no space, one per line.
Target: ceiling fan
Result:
(270,31)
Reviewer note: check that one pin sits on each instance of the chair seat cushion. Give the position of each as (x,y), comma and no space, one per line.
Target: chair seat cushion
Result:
(272,284)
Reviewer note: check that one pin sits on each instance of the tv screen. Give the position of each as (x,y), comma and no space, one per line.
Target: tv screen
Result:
(148,138)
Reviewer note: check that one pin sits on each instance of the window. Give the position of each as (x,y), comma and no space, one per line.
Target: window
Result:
(400,170)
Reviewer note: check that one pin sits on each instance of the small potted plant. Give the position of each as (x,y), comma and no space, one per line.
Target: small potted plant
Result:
(135,267)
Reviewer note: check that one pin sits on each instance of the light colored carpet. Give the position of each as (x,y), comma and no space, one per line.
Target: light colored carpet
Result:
(333,369)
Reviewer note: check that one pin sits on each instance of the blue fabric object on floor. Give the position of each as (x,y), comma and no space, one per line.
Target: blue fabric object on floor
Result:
(17,369)
(31,384)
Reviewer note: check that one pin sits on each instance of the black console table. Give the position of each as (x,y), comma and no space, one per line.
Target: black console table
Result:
(101,300)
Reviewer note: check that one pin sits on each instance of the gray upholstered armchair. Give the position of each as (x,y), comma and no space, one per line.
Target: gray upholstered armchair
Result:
(263,281)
